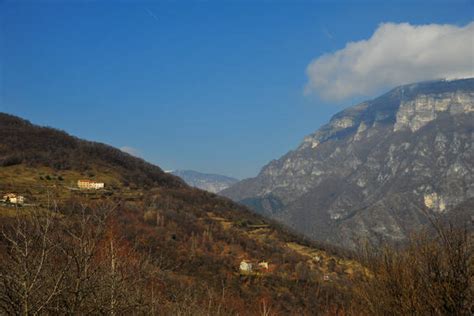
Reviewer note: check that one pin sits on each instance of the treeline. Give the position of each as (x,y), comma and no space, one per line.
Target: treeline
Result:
(23,142)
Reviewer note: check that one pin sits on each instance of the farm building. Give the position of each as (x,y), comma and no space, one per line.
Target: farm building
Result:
(263,265)
(13,198)
(246,266)
(89,185)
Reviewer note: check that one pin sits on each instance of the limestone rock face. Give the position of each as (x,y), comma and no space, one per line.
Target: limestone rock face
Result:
(435,202)
(416,113)
(376,169)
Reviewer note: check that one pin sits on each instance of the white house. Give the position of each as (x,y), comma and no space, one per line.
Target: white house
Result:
(89,184)
(263,265)
(246,266)
(14,198)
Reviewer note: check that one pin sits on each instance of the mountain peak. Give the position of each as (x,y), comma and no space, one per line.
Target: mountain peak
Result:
(408,106)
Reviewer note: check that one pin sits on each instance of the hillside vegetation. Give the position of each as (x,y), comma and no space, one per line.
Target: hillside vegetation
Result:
(24,143)
(184,243)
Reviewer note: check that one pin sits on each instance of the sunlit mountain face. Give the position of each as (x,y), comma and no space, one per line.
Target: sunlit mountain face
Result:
(376,169)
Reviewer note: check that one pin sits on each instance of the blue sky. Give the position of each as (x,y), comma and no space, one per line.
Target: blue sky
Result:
(210,86)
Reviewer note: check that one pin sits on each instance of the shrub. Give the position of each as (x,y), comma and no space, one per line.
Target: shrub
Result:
(428,277)
(150,216)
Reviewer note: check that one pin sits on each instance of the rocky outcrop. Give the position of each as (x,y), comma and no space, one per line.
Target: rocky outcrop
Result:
(415,113)
(376,169)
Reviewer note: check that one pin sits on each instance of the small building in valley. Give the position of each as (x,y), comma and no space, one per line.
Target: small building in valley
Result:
(90,185)
(13,198)
(263,265)
(246,267)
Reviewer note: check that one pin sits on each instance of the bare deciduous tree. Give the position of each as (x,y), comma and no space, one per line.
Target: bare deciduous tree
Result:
(428,277)
(33,270)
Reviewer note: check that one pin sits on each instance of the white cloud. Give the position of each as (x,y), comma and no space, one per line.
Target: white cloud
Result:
(130,150)
(395,54)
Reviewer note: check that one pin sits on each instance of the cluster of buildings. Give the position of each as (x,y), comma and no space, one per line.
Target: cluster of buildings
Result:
(17,199)
(13,198)
(90,185)
(247,266)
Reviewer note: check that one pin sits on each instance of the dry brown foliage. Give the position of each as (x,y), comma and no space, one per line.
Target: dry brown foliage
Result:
(428,277)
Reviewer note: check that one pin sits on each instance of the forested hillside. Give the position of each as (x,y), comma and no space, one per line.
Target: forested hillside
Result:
(33,146)
(145,242)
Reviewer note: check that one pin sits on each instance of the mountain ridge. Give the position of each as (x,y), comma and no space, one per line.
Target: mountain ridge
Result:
(357,161)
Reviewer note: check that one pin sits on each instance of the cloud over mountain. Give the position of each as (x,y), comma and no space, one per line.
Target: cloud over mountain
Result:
(395,54)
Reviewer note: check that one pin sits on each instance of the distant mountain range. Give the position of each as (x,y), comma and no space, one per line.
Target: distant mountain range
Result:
(206,181)
(378,170)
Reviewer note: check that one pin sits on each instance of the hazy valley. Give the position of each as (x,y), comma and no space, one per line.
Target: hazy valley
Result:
(213,183)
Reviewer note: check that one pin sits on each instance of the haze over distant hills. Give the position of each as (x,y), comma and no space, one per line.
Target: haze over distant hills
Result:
(377,170)
(205,181)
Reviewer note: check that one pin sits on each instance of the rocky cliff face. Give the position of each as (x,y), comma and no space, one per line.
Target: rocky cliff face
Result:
(415,113)
(376,169)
